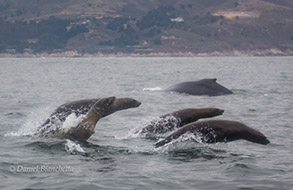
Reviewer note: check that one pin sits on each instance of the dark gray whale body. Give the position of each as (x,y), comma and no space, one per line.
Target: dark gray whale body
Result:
(202,87)
(177,119)
(212,131)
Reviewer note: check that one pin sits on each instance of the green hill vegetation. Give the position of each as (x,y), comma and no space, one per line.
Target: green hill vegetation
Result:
(45,35)
(146,26)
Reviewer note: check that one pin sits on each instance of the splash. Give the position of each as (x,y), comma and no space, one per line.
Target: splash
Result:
(35,126)
(31,125)
(71,120)
(71,147)
(186,140)
(152,89)
(159,127)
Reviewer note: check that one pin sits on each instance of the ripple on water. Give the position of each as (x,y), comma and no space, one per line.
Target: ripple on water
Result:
(116,159)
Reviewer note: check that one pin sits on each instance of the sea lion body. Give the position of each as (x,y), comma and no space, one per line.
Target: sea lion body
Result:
(94,110)
(81,107)
(202,87)
(177,119)
(84,129)
(212,131)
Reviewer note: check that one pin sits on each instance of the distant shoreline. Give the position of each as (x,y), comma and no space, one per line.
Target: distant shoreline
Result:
(235,53)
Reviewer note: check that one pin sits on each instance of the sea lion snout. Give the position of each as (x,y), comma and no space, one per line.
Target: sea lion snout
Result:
(261,139)
(219,112)
(125,103)
(135,103)
(129,102)
(266,141)
(211,112)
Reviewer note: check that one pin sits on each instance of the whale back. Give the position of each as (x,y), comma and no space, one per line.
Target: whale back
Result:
(202,87)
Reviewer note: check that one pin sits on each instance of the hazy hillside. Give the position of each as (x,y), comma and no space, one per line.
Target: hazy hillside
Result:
(147,26)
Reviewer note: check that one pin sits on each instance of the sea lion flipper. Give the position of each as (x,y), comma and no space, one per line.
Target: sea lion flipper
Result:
(85,128)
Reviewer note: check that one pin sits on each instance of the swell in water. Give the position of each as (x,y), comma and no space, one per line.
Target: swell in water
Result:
(112,158)
(165,125)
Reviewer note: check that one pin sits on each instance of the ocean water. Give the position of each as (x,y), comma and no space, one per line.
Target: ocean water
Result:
(114,157)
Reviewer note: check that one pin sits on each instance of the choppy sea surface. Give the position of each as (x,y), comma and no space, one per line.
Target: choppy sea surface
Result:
(114,157)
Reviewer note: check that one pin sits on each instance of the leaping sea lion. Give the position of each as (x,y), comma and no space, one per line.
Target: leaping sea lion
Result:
(212,131)
(84,129)
(177,119)
(202,87)
(81,107)
(94,111)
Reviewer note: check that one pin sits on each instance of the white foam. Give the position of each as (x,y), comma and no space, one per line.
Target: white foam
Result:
(72,147)
(185,141)
(71,121)
(152,89)
(157,127)
(135,131)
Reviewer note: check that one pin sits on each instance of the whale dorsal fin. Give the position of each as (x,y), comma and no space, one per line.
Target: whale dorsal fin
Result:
(209,80)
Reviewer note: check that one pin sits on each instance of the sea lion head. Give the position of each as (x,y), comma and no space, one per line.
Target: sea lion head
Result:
(121,104)
(263,140)
(211,112)
(126,103)
(256,137)
(103,104)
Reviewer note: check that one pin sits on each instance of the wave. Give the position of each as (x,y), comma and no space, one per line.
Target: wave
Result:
(198,152)
(56,146)
(15,115)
